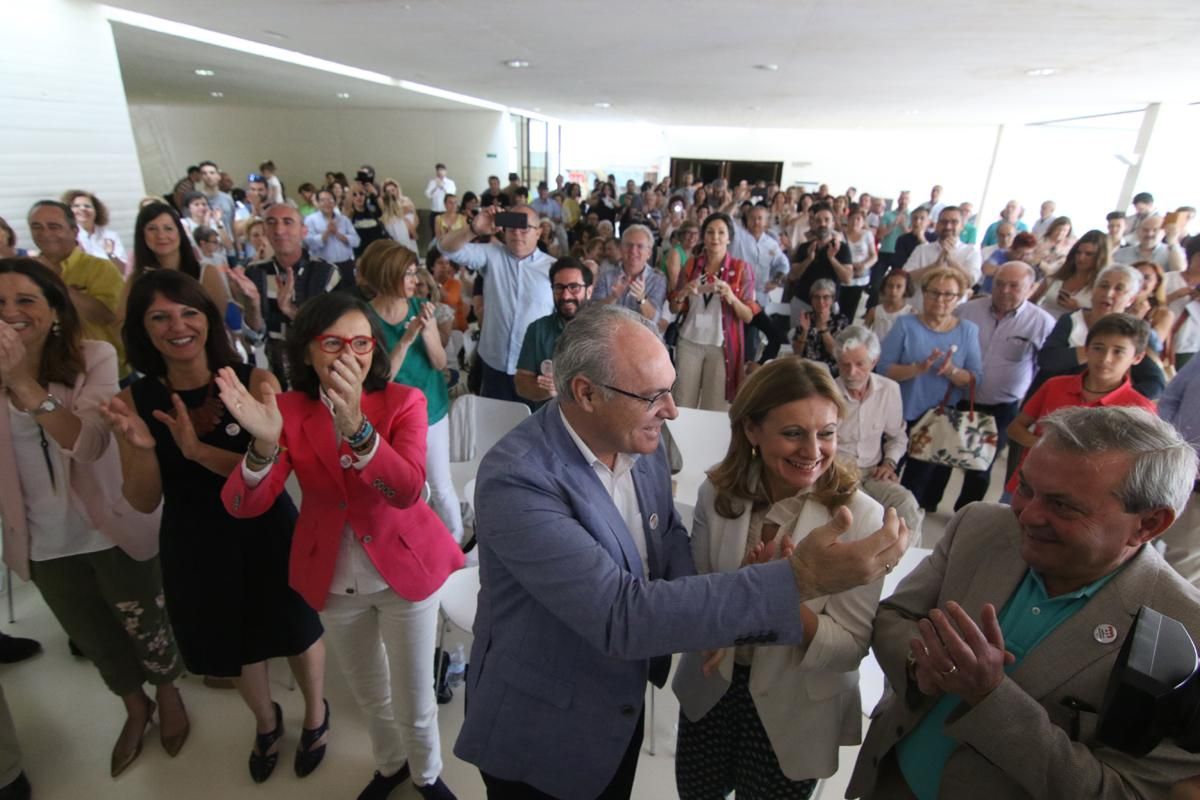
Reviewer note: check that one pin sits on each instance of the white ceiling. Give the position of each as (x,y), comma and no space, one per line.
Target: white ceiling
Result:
(870,63)
(157,68)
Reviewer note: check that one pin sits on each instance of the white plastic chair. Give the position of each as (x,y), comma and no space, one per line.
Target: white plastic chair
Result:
(492,420)
(703,439)
(457,600)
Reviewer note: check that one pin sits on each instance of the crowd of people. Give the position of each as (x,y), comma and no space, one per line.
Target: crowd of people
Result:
(161,395)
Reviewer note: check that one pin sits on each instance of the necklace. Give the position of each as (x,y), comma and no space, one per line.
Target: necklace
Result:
(207,415)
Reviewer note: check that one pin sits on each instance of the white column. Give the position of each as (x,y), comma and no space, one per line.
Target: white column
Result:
(66,124)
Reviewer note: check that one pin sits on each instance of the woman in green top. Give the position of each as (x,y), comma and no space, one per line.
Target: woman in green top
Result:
(387,273)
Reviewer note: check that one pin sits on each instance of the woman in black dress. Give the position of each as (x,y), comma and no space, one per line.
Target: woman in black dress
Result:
(225,579)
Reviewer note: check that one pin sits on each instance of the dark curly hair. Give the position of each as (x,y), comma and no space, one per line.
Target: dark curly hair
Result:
(319,314)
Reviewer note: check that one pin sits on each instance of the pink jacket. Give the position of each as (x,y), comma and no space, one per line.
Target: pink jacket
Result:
(93,470)
(403,537)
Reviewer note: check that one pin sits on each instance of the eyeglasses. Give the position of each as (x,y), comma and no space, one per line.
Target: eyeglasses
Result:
(943,295)
(359,345)
(563,288)
(651,401)
(411,273)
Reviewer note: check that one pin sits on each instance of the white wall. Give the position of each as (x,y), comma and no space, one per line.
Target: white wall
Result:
(305,143)
(879,161)
(62,106)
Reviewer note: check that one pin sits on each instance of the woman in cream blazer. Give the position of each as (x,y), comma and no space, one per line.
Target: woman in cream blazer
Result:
(788,706)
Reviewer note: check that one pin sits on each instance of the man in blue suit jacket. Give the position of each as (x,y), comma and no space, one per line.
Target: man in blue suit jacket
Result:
(586,577)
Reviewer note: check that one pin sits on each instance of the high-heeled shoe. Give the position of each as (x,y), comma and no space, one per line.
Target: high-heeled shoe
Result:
(173,743)
(262,761)
(308,758)
(125,751)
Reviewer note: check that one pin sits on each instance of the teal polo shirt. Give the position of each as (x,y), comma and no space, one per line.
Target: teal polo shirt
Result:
(417,370)
(1029,616)
(540,338)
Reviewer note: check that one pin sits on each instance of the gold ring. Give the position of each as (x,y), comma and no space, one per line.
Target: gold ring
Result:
(953,669)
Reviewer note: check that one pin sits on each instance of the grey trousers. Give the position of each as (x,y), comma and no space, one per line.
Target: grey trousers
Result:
(10,749)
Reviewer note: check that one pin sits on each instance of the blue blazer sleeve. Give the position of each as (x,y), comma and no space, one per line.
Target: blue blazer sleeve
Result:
(550,541)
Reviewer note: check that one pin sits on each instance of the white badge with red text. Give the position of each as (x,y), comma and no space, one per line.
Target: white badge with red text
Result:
(1105,633)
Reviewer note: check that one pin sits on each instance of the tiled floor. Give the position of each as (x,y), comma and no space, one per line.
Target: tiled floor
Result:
(67,723)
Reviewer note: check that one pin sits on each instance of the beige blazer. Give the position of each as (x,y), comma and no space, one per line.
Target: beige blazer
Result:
(806,695)
(93,469)
(1016,743)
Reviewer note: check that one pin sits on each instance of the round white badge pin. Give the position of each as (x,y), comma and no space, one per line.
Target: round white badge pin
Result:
(1105,633)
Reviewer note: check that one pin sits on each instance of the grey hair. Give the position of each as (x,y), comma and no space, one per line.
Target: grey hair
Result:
(1163,472)
(636,228)
(857,336)
(1030,272)
(586,347)
(1134,277)
(825,284)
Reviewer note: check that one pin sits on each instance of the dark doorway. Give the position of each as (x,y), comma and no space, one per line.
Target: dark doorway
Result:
(708,170)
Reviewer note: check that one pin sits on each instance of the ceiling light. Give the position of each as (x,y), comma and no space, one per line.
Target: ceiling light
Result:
(343,95)
(204,73)
(516,63)
(767,67)
(217,94)
(1040,72)
(602,104)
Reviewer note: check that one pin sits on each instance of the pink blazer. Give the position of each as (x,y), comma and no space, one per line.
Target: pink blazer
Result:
(93,470)
(403,537)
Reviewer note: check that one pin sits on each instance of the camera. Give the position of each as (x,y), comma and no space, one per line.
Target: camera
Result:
(1153,691)
(364,176)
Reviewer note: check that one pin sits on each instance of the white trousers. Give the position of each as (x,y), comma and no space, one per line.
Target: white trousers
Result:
(384,645)
(442,497)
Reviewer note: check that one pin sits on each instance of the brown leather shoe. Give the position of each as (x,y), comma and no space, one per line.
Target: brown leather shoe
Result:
(129,743)
(170,732)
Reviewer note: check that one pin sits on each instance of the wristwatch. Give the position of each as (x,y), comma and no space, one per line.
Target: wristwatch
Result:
(51,403)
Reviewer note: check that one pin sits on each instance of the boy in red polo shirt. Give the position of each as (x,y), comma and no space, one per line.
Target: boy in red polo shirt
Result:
(1114,344)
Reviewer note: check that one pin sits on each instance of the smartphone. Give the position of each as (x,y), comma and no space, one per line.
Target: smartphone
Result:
(518,220)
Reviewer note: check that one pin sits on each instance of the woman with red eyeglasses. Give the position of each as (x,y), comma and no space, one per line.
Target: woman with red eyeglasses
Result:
(368,552)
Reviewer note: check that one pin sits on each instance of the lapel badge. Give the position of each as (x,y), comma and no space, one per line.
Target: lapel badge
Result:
(654,521)
(345,461)
(232,429)
(1105,633)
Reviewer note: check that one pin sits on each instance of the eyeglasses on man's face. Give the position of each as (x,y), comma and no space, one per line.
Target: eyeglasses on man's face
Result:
(564,288)
(652,401)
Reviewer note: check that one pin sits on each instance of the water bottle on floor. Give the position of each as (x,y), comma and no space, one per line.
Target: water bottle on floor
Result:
(456,674)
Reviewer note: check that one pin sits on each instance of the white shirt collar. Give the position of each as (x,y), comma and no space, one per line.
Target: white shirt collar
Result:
(625,461)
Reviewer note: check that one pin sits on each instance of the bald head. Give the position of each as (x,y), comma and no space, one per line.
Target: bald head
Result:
(1011,286)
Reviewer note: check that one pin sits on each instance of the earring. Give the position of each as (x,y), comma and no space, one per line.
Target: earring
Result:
(55,328)
(754,451)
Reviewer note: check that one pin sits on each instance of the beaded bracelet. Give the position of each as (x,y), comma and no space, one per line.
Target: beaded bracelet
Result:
(365,447)
(256,462)
(362,435)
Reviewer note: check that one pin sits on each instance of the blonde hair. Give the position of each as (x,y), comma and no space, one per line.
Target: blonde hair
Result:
(381,267)
(435,291)
(392,207)
(782,381)
(946,273)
